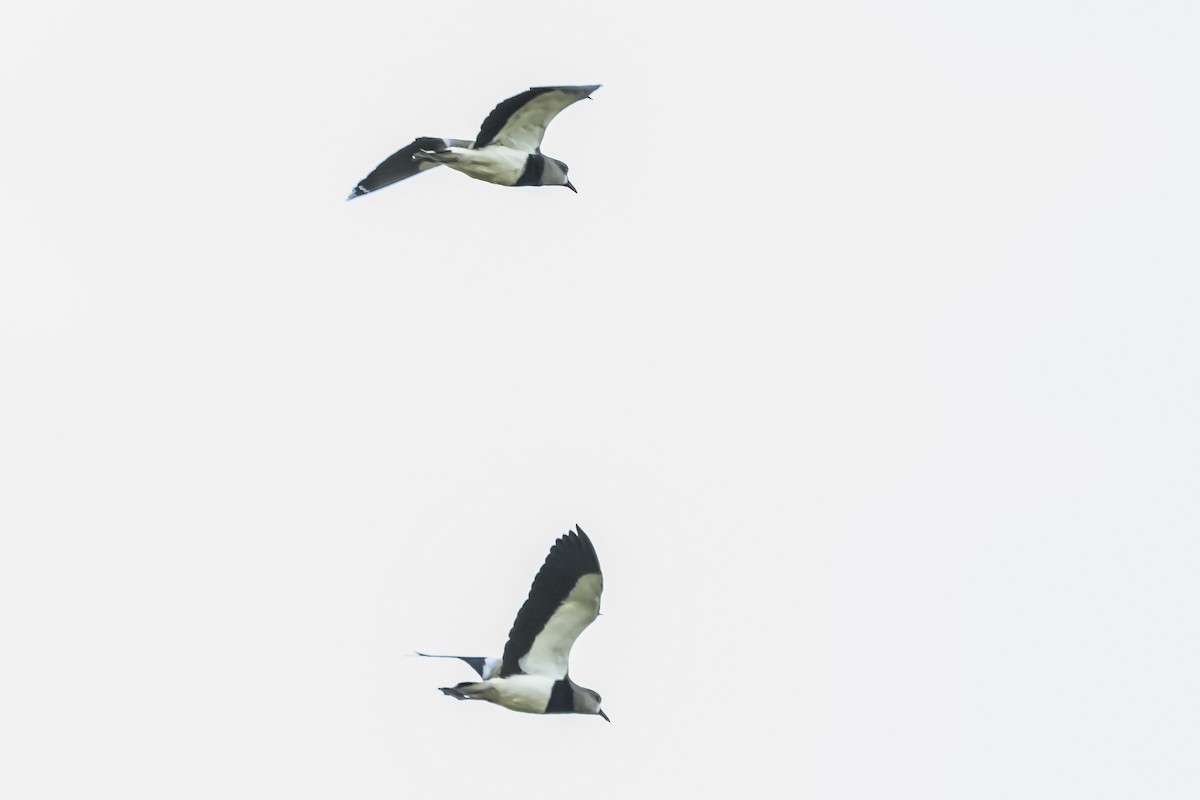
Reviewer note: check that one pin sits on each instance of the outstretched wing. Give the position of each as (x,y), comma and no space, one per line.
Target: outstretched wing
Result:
(520,122)
(564,599)
(401,164)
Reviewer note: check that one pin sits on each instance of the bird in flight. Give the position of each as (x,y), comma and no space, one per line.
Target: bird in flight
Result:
(532,674)
(507,151)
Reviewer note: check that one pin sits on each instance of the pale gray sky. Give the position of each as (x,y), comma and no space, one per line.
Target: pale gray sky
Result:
(866,355)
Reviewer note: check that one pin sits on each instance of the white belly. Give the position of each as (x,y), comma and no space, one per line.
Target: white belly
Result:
(494,164)
(529,693)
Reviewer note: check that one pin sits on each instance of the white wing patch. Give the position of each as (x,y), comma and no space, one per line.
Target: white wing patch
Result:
(552,647)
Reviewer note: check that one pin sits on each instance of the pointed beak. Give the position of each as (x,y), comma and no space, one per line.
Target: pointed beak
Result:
(606,719)
(571,186)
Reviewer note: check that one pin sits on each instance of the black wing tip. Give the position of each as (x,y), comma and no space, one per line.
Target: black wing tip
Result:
(581,537)
(572,535)
(578,541)
(359,191)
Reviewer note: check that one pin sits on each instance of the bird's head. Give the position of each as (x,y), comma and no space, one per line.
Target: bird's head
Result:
(555,174)
(588,702)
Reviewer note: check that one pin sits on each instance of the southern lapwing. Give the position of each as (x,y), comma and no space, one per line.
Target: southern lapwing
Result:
(532,674)
(507,151)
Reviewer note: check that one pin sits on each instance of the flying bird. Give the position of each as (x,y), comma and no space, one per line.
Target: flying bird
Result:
(532,674)
(507,151)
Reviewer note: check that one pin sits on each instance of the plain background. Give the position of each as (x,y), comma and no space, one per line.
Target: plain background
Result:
(866,354)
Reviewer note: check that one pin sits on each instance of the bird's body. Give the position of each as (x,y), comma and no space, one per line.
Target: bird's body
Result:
(532,676)
(507,150)
(494,164)
(528,693)
(532,694)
